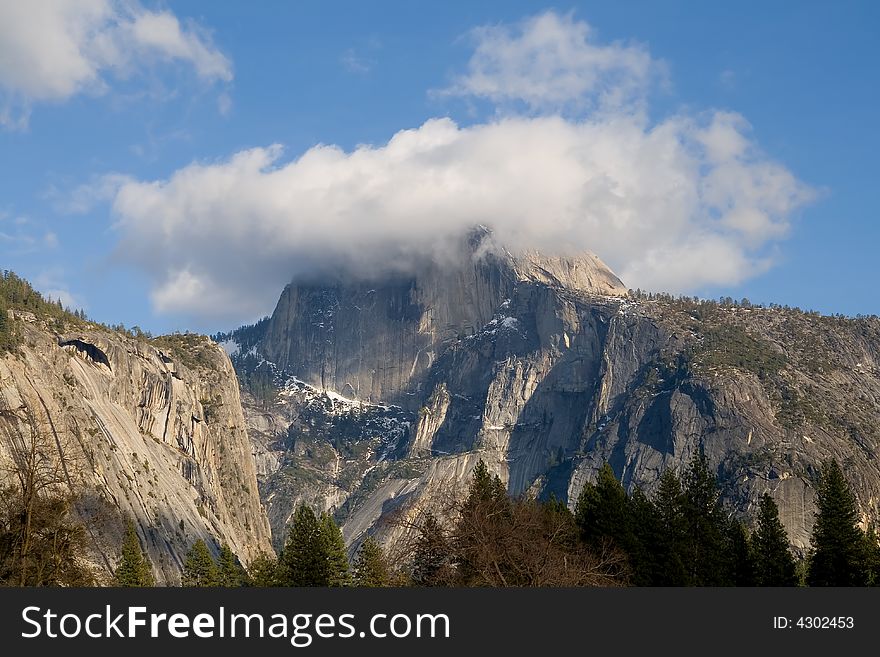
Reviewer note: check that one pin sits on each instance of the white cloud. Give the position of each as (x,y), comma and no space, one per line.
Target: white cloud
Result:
(553,62)
(673,206)
(51,50)
(679,204)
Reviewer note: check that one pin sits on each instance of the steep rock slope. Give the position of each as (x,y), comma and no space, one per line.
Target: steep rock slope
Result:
(149,430)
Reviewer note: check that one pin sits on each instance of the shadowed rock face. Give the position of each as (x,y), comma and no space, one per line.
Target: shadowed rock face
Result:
(544,369)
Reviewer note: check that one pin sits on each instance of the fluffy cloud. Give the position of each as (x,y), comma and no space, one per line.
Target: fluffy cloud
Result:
(553,61)
(51,50)
(677,206)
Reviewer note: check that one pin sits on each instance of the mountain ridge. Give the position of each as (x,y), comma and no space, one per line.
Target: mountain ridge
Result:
(545,382)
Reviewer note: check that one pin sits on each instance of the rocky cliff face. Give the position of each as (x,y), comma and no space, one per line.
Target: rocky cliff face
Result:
(543,369)
(151,430)
(377,340)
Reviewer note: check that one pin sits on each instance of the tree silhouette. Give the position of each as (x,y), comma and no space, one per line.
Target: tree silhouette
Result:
(837,557)
(774,565)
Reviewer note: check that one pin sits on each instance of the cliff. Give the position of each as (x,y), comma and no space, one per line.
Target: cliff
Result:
(545,368)
(377,340)
(151,430)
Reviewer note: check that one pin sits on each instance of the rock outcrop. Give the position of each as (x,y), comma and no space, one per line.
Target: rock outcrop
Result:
(150,430)
(377,340)
(545,368)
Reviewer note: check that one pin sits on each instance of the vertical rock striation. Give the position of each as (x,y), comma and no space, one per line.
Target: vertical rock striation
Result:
(152,431)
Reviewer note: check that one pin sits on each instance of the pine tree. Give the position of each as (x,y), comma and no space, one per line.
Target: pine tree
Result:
(741,560)
(199,568)
(671,533)
(774,564)
(371,568)
(263,571)
(305,558)
(603,511)
(485,490)
(704,551)
(432,556)
(838,555)
(229,572)
(337,556)
(134,568)
(647,536)
(483,522)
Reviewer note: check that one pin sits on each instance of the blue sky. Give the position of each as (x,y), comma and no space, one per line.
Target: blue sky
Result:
(174,172)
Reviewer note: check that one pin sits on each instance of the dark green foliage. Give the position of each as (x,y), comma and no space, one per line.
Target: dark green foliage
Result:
(774,564)
(872,557)
(371,568)
(337,557)
(199,569)
(486,508)
(8,338)
(704,554)
(603,511)
(256,377)
(134,567)
(485,489)
(263,571)
(644,555)
(730,345)
(432,556)
(305,558)
(838,545)
(229,572)
(246,336)
(740,558)
(670,535)
(681,537)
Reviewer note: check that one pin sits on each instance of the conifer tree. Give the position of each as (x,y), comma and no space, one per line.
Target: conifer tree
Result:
(134,567)
(603,511)
(371,568)
(774,564)
(872,557)
(704,551)
(671,532)
(199,568)
(337,556)
(263,571)
(647,536)
(229,572)
(741,560)
(432,558)
(838,545)
(485,490)
(304,560)
(482,523)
